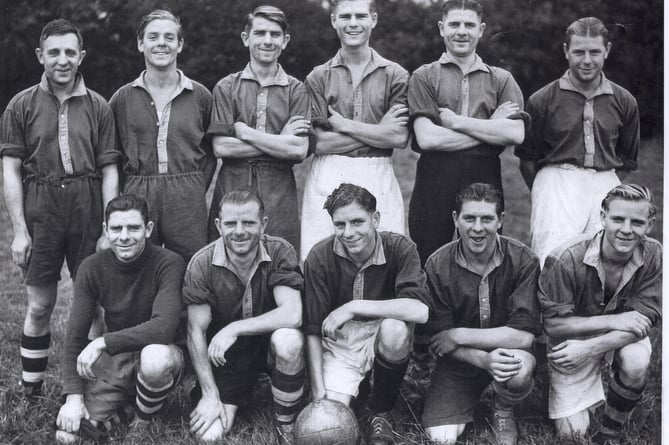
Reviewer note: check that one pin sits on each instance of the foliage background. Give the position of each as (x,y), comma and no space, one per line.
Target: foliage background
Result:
(523,36)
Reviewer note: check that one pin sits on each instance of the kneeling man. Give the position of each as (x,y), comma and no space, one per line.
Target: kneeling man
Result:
(363,291)
(138,285)
(244,308)
(600,297)
(485,317)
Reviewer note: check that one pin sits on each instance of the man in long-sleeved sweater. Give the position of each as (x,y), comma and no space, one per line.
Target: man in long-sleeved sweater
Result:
(139,287)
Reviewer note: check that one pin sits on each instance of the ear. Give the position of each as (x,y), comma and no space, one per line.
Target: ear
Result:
(148,230)
(501,221)
(333,19)
(482,27)
(263,224)
(40,55)
(607,51)
(440,25)
(181,46)
(286,39)
(602,216)
(651,222)
(104,228)
(82,54)
(375,19)
(217,223)
(245,38)
(565,48)
(376,219)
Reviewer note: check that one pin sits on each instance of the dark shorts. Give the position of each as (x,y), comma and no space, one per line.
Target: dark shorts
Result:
(454,393)
(274,182)
(64,219)
(177,207)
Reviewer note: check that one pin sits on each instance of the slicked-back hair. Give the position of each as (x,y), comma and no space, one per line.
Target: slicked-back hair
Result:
(479,191)
(335,3)
(159,14)
(347,194)
(467,5)
(125,203)
(631,192)
(60,27)
(241,197)
(586,27)
(267,12)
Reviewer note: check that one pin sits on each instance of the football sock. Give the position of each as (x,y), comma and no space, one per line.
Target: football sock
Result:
(620,400)
(149,399)
(34,358)
(388,377)
(287,391)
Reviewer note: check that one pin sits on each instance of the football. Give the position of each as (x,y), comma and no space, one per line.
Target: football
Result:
(326,422)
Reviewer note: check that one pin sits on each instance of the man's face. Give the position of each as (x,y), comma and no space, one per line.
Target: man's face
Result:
(241,226)
(478,224)
(625,224)
(461,30)
(265,41)
(127,234)
(353,22)
(61,57)
(160,43)
(356,228)
(586,56)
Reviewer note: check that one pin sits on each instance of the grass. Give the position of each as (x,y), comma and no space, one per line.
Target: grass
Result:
(21,423)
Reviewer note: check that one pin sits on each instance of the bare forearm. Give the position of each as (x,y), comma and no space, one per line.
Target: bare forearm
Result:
(610,341)
(332,143)
(109,184)
(578,326)
(405,309)
(197,348)
(432,137)
(472,356)
(280,146)
(493,338)
(491,131)
(230,147)
(13,191)
(376,135)
(281,317)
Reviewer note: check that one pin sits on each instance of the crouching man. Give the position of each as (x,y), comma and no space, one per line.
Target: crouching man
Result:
(244,308)
(133,363)
(485,317)
(363,291)
(600,297)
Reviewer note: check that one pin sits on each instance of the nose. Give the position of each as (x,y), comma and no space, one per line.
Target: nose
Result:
(477,227)
(239,228)
(353,21)
(348,230)
(124,233)
(267,39)
(62,58)
(587,59)
(461,29)
(626,226)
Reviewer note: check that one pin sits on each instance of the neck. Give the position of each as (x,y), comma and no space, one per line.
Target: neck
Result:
(610,256)
(464,62)
(359,55)
(62,91)
(586,87)
(264,72)
(161,78)
(242,262)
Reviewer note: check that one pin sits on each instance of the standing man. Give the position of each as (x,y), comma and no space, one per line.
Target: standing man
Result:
(162,118)
(364,289)
(260,124)
(463,113)
(244,308)
(59,167)
(360,115)
(133,363)
(600,297)
(485,317)
(584,131)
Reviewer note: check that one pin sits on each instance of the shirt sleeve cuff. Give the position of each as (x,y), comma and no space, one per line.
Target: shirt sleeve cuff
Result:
(558,310)
(322,123)
(221,129)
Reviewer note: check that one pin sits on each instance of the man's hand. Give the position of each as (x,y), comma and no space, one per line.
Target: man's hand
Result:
(336,120)
(397,115)
(570,353)
(318,394)
(501,364)
(634,322)
(89,356)
(220,344)
(443,343)
(447,117)
(206,412)
(102,243)
(22,248)
(240,130)
(336,320)
(505,110)
(71,413)
(297,126)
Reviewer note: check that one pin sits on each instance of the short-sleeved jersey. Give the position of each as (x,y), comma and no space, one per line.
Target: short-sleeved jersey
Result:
(383,84)
(599,132)
(240,97)
(332,279)
(54,140)
(173,141)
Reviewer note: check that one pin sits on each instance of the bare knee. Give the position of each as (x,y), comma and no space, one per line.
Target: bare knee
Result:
(445,434)
(576,424)
(159,365)
(41,301)
(525,376)
(633,361)
(394,339)
(287,347)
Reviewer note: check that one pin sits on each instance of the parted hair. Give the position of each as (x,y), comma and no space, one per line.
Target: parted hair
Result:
(479,191)
(335,3)
(631,192)
(159,14)
(60,27)
(347,194)
(124,203)
(468,5)
(240,197)
(586,27)
(271,13)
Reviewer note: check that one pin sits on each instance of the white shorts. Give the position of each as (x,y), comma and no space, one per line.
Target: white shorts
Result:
(566,202)
(347,359)
(327,173)
(575,390)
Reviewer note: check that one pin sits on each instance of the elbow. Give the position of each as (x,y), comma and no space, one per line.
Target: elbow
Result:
(422,313)
(526,340)
(552,327)
(425,143)
(516,136)
(299,153)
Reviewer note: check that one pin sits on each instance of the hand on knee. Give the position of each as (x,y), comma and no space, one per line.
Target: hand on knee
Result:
(525,376)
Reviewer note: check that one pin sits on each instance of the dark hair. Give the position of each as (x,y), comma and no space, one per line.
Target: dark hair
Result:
(60,27)
(630,192)
(335,3)
(586,27)
(347,194)
(159,14)
(271,13)
(242,196)
(469,5)
(124,203)
(479,191)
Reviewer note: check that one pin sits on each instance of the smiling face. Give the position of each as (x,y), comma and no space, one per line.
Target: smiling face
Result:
(586,56)
(127,234)
(265,41)
(353,22)
(478,224)
(160,44)
(356,228)
(61,57)
(241,226)
(461,30)
(625,223)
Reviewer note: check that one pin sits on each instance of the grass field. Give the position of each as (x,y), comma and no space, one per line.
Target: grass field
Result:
(21,423)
